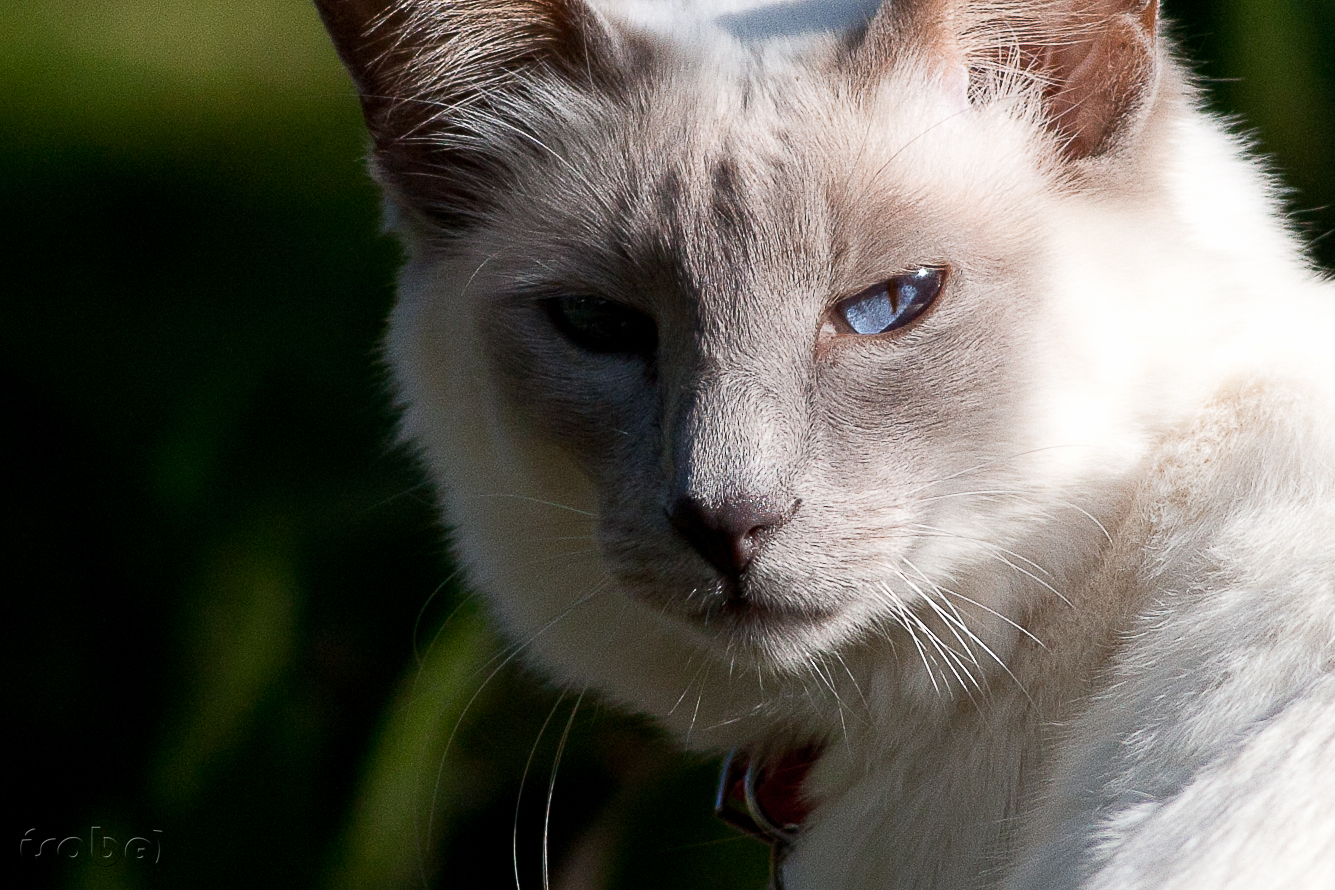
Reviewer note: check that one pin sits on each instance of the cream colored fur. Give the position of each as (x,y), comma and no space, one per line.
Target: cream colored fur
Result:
(1088,641)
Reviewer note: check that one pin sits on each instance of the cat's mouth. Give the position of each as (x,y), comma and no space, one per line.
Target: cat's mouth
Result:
(740,607)
(751,614)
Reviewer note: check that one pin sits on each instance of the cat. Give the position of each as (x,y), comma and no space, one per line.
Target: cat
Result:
(930,397)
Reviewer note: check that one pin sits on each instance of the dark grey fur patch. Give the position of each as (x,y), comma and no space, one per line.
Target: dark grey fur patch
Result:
(728,201)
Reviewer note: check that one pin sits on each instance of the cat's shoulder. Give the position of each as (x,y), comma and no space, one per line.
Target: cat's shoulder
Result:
(1264,440)
(1214,720)
(1235,515)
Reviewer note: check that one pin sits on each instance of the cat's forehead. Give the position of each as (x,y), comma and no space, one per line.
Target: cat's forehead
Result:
(737,173)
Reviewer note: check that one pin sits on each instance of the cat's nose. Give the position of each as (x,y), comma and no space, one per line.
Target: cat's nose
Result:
(727,534)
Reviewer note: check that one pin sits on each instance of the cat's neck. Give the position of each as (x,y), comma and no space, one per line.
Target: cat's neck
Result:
(954,767)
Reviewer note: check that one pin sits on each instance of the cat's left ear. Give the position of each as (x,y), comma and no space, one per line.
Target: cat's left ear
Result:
(1093,63)
(450,88)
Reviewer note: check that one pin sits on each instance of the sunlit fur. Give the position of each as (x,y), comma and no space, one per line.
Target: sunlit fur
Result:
(1058,596)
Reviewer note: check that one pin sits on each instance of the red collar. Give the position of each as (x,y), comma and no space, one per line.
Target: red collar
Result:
(765,800)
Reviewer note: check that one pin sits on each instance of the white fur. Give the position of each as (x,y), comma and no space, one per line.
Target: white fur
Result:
(1174,724)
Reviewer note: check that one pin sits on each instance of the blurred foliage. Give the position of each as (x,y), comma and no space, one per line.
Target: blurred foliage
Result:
(232,618)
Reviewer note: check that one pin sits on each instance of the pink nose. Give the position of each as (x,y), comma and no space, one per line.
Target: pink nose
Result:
(727,534)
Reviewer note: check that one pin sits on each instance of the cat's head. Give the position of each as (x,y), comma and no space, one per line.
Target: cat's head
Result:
(735,353)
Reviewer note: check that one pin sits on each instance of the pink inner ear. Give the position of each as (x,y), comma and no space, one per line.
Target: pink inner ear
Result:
(1101,82)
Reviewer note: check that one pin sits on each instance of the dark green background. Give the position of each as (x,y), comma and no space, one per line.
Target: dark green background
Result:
(219,571)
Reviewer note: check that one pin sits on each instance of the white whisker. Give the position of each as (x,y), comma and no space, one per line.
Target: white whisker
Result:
(533,500)
(898,615)
(974,636)
(523,779)
(1011,553)
(551,790)
(514,651)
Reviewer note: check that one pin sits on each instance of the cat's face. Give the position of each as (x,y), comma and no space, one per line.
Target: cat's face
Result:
(737,363)
(682,332)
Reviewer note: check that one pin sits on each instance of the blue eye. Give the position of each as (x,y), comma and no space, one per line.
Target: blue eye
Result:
(891,304)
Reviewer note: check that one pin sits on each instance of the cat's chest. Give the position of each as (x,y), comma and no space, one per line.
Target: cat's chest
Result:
(933,810)
(946,794)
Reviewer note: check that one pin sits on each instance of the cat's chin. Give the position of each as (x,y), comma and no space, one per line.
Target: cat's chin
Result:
(779,641)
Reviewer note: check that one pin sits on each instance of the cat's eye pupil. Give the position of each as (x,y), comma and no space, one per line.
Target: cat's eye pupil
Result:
(603,326)
(870,314)
(891,304)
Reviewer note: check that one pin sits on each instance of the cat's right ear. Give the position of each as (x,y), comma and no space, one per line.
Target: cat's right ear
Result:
(1092,65)
(450,89)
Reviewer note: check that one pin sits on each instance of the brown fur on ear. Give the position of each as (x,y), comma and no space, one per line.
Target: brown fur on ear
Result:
(444,86)
(1100,79)
(1093,62)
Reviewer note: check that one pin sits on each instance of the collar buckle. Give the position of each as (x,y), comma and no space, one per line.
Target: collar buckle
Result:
(765,801)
